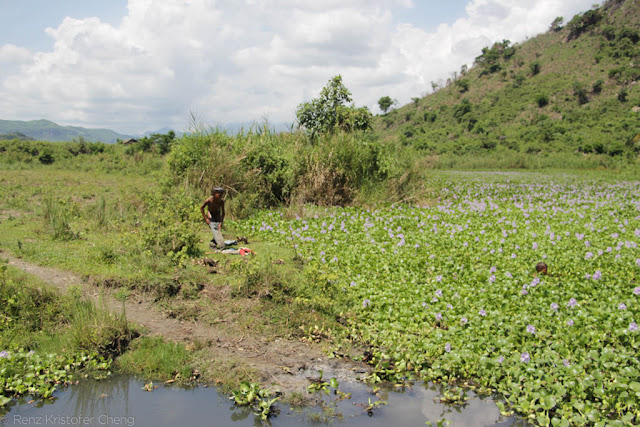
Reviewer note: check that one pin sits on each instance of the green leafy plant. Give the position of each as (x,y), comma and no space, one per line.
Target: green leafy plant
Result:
(262,400)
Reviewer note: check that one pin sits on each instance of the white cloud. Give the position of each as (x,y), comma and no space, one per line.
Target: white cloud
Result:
(239,61)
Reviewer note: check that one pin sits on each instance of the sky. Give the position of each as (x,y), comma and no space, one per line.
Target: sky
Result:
(141,65)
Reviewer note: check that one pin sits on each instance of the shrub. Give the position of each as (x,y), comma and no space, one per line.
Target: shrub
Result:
(535,68)
(542,100)
(622,95)
(518,80)
(615,149)
(580,93)
(460,110)
(463,85)
(597,86)
(46,157)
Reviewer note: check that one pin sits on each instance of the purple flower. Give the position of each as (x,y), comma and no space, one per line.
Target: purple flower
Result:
(513,256)
(482,312)
(4,354)
(633,326)
(597,275)
(447,347)
(566,363)
(622,306)
(554,306)
(439,278)
(525,358)
(434,299)
(572,303)
(500,359)
(353,283)
(531,329)
(438,316)
(366,303)
(636,290)
(463,320)
(509,275)
(534,246)
(570,322)
(492,278)
(439,292)
(449,306)
(524,292)
(589,255)
(493,270)
(424,305)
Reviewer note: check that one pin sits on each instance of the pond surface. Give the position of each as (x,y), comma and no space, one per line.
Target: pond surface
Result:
(121,400)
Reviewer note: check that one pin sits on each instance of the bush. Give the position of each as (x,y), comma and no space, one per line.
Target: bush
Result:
(535,68)
(597,86)
(463,85)
(171,226)
(542,100)
(580,93)
(615,149)
(46,157)
(622,95)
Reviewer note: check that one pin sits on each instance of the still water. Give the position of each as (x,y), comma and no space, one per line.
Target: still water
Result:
(121,401)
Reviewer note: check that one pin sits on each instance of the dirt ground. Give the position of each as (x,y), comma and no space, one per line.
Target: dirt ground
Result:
(283,364)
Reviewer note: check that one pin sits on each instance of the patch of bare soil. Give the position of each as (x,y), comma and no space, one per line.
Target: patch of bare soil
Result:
(283,363)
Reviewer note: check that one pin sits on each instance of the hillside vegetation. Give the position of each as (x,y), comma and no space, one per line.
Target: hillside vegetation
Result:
(573,89)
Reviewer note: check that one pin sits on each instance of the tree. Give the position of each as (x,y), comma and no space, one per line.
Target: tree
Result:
(385,103)
(330,112)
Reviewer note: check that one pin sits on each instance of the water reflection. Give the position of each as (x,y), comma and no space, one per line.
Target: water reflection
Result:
(121,400)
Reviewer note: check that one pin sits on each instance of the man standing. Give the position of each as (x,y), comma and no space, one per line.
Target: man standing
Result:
(215,215)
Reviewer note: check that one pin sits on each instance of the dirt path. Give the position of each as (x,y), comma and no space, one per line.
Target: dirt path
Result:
(284,363)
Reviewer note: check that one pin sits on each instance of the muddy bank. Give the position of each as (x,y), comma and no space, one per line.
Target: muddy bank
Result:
(283,364)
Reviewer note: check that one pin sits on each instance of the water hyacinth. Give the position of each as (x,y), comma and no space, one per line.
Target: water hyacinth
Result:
(505,218)
(4,354)
(366,303)
(622,306)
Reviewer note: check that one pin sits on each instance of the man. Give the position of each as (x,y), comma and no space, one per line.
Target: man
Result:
(215,215)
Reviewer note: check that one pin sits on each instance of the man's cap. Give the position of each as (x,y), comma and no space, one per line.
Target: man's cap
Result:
(217,190)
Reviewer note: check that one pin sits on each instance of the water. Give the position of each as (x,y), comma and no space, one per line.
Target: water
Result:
(121,401)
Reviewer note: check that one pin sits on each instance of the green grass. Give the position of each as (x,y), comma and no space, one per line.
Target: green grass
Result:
(155,359)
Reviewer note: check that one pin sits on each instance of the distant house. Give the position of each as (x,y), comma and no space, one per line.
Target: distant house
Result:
(130,141)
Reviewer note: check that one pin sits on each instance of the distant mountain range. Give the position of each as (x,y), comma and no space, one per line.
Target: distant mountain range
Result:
(45,130)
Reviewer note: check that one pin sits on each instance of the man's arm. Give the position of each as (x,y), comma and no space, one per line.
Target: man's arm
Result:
(204,214)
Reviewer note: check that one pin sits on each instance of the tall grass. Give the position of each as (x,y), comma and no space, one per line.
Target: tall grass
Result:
(57,216)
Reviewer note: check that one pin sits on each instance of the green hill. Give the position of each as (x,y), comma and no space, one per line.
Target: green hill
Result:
(45,130)
(573,89)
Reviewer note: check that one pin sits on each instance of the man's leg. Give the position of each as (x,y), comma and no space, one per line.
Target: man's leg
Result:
(217,235)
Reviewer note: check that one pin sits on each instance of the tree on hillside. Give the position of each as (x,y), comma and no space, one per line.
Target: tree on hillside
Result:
(330,111)
(385,103)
